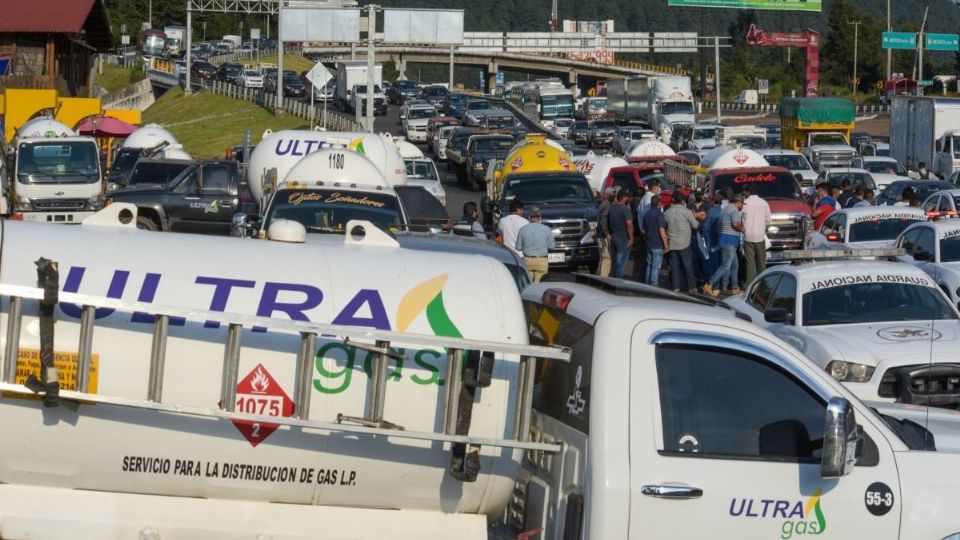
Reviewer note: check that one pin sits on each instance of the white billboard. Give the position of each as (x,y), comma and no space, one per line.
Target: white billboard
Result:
(320,24)
(436,26)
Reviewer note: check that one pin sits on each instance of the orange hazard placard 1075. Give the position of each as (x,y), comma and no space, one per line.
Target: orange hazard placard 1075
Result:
(28,363)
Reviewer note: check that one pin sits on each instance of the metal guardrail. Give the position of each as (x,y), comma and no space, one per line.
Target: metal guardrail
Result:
(330,120)
(775,108)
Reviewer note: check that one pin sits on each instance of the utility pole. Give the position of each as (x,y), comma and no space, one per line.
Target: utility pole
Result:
(278,103)
(150,13)
(889,51)
(856,39)
(920,42)
(716,73)
(371,54)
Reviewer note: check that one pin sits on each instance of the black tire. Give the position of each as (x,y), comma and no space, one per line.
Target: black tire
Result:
(147,224)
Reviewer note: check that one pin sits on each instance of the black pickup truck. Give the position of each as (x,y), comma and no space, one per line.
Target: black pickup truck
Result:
(201,199)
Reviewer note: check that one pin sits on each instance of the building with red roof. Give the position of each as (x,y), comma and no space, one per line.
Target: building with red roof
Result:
(51,43)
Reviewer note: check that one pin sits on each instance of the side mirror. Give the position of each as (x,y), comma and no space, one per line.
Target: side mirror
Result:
(778,315)
(921,256)
(841,436)
(243,225)
(938,145)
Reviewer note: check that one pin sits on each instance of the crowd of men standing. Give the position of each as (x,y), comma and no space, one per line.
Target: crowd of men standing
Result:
(703,243)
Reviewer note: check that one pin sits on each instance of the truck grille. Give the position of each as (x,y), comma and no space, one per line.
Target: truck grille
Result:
(567,233)
(934,384)
(59,204)
(836,155)
(789,229)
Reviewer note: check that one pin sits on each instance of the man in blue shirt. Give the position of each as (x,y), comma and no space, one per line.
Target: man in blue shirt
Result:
(655,232)
(621,231)
(535,240)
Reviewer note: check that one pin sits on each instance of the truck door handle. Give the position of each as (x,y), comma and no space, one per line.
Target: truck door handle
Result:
(672,492)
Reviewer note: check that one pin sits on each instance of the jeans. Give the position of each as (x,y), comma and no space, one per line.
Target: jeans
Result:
(621,252)
(640,259)
(654,262)
(729,270)
(755,258)
(681,269)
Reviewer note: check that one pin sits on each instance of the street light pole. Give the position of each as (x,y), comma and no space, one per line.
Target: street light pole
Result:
(889,51)
(856,38)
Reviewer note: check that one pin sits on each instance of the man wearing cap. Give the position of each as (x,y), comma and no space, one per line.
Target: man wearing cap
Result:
(603,231)
(680,226)
(509,226)
(535,240)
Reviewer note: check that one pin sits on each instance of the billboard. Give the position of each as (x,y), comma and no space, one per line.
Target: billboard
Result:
(320,24)
(433,26)
(783,5)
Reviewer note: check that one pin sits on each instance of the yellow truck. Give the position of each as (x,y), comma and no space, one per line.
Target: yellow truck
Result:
(820,128)
(541,174)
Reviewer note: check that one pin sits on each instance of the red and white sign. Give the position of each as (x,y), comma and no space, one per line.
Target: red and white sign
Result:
(259,393)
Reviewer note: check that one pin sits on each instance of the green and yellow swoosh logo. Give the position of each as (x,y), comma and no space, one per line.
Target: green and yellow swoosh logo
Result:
(427,297)
(814,503)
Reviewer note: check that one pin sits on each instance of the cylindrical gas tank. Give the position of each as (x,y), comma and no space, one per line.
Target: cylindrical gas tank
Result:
(725,157)
(331,165)
(328,279)
(44,126)
(149,136)
(282,150)
(649,148)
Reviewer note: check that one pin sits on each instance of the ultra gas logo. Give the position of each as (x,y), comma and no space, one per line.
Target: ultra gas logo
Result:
(424,299)
(796,517)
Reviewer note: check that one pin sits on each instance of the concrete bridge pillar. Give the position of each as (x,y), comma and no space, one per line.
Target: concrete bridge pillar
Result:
(402,67)
(572,78)
(492,69)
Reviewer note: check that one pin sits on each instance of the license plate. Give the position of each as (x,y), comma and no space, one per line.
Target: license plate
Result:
(556,257)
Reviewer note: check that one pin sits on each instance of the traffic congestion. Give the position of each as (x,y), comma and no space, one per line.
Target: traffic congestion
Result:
(551,310)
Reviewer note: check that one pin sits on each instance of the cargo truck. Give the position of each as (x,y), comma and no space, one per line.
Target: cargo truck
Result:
(55,174)
(927,130)
(176,39)
(352,75)
(660,102)
(820,129)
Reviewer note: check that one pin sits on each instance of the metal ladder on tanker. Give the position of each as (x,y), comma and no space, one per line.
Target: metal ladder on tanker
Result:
(469,366)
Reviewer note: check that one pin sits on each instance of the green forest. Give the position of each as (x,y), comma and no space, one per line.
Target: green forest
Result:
(834,23)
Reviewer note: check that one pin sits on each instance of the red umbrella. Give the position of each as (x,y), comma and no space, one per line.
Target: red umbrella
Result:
(105,126)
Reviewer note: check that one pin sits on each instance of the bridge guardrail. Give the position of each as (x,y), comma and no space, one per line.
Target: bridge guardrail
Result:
(775,108)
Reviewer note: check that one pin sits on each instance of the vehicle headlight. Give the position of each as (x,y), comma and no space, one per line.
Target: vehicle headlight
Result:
(849,371)
(111,187)
(22,204)
(665,128)
(479,166)
(593,225)
(815,154)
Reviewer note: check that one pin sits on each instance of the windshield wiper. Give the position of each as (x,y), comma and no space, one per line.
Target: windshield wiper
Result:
(327,230)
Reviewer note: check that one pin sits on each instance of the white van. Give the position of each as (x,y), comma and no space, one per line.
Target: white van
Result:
(680,420)
(748,97)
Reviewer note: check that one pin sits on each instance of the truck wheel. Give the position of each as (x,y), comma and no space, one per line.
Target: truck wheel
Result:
(147,224)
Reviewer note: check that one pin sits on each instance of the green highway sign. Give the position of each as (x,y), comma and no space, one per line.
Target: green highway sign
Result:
(927,82)
(899,40)
(941,42)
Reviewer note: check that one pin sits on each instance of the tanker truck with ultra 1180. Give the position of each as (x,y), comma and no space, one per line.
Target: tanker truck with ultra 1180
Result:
(295,394)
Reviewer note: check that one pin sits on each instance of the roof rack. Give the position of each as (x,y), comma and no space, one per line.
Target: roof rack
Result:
(798,256)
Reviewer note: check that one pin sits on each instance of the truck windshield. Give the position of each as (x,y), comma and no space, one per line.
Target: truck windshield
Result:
(884,167)
(58,162)
(705,133)
(153,44)
(827,138)
(125,159)
(750,142)
(880,229)
(548,190)
(863,303)
(422,169)
(604,124)
(476,105)
(556,106)
(855,178)
(597,104)
(155,172)
(767,185)
(788,161)
(676,107)
(491,145)
(421,113)
(329,210)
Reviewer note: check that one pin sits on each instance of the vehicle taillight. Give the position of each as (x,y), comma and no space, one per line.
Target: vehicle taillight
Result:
(557,298)
(16,217)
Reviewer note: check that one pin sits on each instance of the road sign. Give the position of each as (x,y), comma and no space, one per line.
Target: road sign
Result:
(254,33)
(125,39)
(763,86)
(501,78)
(926,83)
(259,393)
(899,40)
(781,5)
(941,42)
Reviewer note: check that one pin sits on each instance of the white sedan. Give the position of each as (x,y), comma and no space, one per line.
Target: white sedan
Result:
(883,169)
(251,78)
(423,172)
(934,247)
(882,328)
(864,227)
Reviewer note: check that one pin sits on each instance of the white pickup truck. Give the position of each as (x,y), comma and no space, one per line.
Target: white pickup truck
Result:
(680,420)
(825,149)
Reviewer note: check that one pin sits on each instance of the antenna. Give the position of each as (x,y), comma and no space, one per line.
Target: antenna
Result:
(554,17)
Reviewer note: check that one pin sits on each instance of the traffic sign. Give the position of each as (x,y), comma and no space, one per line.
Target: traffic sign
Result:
(763,86)
(501,78)
(899,40)
(941,42)
(926,83)
(259,393)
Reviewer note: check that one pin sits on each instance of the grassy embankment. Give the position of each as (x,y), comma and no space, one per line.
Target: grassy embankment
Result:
(207,124)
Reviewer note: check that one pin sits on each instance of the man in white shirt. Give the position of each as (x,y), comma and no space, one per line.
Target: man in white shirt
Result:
(509,226)
(756,219)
